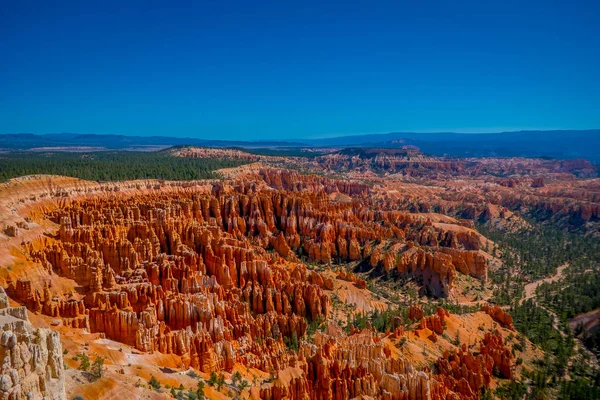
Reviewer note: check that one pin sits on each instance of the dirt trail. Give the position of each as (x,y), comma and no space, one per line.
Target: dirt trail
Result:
(531,287)
(530,294)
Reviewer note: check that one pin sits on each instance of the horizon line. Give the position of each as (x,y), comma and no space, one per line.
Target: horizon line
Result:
(326,136)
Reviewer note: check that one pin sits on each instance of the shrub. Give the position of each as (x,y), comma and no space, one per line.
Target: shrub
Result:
(97,367)
(236,377)
(84,362)
(154,383)
(213,379)
(220,381)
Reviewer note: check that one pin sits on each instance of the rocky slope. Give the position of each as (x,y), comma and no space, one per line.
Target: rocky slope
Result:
(32,359)
(410,162)
(486,189)
(215,274)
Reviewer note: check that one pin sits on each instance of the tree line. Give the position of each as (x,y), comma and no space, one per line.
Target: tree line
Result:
(111,165)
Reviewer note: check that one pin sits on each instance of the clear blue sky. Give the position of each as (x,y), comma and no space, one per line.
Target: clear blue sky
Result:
(251,70)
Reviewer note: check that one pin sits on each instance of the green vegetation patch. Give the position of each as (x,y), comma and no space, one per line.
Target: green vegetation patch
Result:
(112,165)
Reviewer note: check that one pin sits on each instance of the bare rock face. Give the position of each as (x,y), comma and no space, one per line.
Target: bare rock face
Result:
(498,314)
(337,366)
(435,322)
(280,245)
(351,277)
(466,373)
(32,359)
(468,262)
(435,268)
(415,312)
(493,346)
(538,183)
(11,230)
(408,160)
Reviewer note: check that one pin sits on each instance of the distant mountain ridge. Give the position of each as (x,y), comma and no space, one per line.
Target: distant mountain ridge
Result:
(25,141)
(561,144)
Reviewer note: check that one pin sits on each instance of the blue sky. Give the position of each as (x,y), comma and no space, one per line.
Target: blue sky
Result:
(261,70)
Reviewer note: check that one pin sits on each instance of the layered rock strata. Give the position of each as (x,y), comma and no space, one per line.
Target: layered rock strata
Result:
(32,359)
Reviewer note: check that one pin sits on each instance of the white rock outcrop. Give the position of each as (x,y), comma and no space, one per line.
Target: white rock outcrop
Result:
(31,360)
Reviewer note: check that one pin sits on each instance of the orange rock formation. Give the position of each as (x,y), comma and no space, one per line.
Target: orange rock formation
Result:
(214,276)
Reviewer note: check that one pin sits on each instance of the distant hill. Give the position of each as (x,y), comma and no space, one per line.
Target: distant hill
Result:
(565,144)
(25,141)
(556,144)
(371,152)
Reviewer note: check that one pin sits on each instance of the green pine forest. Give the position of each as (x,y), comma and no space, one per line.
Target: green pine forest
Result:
(111,165)
(536,253)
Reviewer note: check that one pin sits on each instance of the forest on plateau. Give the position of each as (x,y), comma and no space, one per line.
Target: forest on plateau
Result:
(111,165)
